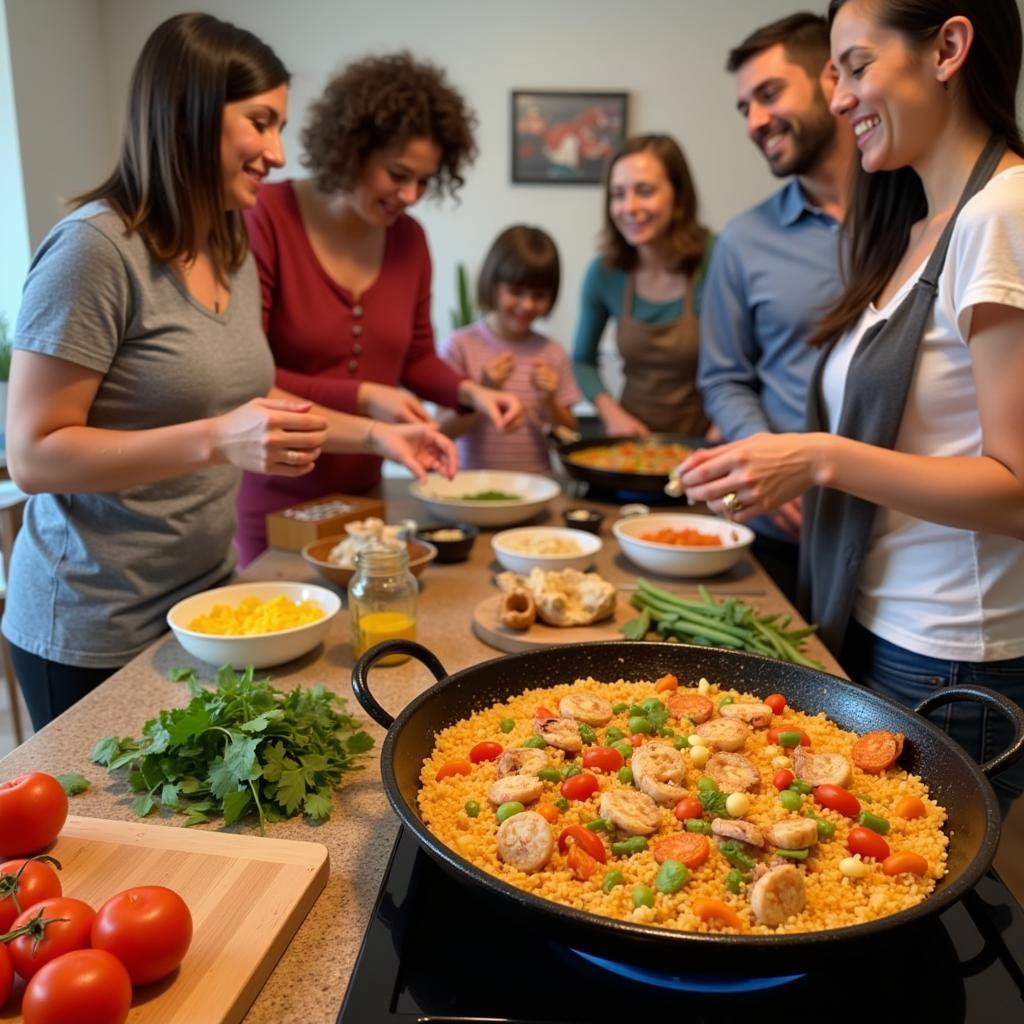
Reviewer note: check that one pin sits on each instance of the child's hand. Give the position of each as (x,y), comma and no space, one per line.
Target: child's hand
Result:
(544,378)
(498,370)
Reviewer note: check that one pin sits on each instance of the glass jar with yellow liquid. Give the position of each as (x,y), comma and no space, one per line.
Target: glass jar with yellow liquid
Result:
(382,601)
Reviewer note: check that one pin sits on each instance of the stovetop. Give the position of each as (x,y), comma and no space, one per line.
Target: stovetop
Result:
(433,953)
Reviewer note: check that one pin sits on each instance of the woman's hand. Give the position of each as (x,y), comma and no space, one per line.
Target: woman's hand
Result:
(618,422)
(505,411)
(279,437)
(419,447)
(761,473)
(498,370)
(390,405)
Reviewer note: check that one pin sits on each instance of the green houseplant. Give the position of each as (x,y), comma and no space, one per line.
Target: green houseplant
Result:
(463,315)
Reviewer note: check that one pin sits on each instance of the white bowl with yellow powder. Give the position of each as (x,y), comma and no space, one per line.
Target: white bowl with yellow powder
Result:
(258,624)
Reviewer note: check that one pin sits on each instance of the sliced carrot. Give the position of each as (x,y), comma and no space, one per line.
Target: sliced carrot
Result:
(458,767)
(905,862)
(691,849)
(582,864)
(690,705)
(543,712)
(549,812)
(666,682)
(716,910)
(876,751)
(910,807)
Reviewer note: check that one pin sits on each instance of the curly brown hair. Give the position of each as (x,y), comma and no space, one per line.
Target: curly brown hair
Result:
(382,103)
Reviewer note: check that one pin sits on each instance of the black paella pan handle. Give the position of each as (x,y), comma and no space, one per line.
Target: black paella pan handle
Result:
(996,702)
(361,670)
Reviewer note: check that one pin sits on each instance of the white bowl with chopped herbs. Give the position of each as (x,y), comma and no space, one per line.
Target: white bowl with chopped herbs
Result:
(258,624)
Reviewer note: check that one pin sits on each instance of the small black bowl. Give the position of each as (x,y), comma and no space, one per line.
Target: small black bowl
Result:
(455,549)
(583,519)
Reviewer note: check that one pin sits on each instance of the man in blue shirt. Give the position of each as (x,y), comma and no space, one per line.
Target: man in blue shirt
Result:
(776,266)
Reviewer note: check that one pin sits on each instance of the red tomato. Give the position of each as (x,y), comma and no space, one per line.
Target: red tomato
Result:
(60,925)
(688,808)
(783,779)
(586,840)
(87,986)
(776,702)
(608,759)
(637,739)
(488,750)
(147,928)
(775,730)
(579,787)
(23,883)
(6,974)
(33,808)
(835,798)
(867,843)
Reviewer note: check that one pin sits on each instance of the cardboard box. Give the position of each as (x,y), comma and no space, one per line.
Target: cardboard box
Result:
(293,528)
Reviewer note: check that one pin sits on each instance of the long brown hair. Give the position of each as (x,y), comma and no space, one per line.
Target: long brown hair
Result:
(167,185)
(885,205)
(687,236)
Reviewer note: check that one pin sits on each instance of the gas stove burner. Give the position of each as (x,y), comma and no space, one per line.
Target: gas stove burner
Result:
(717,984)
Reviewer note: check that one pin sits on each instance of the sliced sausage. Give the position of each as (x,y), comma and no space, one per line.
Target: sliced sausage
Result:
(724,734)
(757,715)
(563,733)
(521,761)
(524,788)
(586,707)
(659,771)
(778,895)
(734,773)
(525,841)
(822,769)
(631,812)
(690,705)
(878,750)
(741,831)
(793,833)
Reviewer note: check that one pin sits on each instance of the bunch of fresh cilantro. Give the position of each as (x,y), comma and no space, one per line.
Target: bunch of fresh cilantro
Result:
(240,749)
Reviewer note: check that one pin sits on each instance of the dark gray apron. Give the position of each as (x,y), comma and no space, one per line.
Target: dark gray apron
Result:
(837,526)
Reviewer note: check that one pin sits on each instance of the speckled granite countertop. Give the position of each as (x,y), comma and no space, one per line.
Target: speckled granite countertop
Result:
(310,979)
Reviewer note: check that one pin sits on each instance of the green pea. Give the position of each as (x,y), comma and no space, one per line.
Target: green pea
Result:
(799,786)
(793,854)
(724,701)
(562,804)
(613,733)
(534,741)
(600,825)
(507,809)
(707,785)
(734,881)
(650,704)
(626,775)
(873,822)
(697,825)
(671,877)
(472,808)
(612,879)
(550,775)
(681,743)
(624,747)
(789,739)
(639,723)
(617,709)
(790,800)
(643,896)
(587,734)
(508,724)
(573,769)
(627,847)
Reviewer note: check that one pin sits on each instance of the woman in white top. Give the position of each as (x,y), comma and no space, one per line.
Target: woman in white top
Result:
(927,456)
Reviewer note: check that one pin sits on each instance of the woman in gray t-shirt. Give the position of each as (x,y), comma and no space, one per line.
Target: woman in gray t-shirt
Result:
(142,382)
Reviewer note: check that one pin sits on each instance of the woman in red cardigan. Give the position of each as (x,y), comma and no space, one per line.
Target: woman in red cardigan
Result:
(346,274)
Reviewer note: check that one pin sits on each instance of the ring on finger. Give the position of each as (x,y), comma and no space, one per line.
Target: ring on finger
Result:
(292,457)
(731,503)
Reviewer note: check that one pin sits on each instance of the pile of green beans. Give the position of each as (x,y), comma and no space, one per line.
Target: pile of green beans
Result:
(726,623)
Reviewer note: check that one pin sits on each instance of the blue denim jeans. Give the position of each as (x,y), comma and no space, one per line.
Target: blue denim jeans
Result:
(908,678)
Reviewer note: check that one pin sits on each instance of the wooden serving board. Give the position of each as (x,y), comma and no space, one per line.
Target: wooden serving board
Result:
(488,628)
(247,894)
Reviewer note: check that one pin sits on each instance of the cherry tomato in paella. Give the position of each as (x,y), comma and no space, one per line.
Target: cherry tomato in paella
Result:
(835,798)
(580,787)
(776,702)
(608,759)
(487,750)
(867,843)
(688,808)
(588,841)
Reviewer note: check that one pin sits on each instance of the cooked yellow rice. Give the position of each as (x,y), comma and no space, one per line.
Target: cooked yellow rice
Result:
(832,899)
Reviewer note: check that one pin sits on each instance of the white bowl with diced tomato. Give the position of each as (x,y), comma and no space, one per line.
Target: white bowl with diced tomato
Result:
(658,544)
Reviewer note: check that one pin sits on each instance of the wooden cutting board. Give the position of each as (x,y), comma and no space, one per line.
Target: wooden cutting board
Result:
(247,894)
(488,628)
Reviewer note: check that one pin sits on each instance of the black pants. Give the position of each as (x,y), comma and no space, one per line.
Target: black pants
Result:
(50,688)
(780,560)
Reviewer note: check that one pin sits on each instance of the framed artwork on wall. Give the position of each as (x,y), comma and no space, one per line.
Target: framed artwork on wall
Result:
(565,138)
